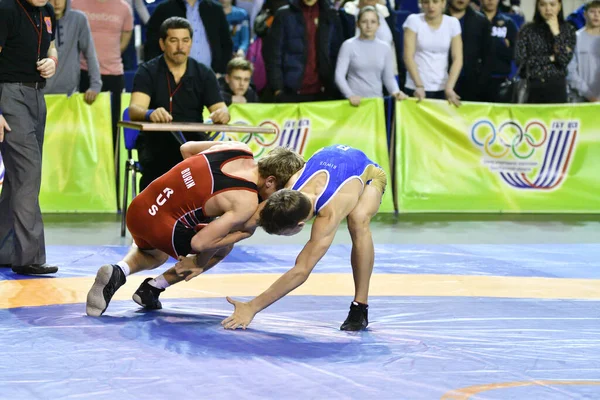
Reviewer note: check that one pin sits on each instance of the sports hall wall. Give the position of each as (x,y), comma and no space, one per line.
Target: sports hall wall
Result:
(480,157)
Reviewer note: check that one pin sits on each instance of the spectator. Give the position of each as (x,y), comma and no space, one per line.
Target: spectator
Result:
(111,26)
(172,87)
(365,62)
(239,26)
(584,70)
(130,55)
(577,18)
(212,42)
(387,31)
(235,86)
(73,36)
(428,37)
(301,50)
(475,34)
(252,8)
(27,58)
(261,25)
(265,17)
(140,9)
(504,36)
(544,50)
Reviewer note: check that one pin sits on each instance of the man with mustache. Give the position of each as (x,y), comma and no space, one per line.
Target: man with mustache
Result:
(172,87)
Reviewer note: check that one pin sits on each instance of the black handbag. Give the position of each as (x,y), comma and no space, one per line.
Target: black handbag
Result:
(515,90)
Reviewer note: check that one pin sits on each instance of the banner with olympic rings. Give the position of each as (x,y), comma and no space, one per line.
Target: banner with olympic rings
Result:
(307,127)
(485,157)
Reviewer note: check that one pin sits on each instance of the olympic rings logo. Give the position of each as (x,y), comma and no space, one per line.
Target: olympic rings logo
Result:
(519,135)
(293,134)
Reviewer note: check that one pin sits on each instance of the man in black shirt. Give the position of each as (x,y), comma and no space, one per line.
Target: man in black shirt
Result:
(27,59)
(172,87)
(476,50)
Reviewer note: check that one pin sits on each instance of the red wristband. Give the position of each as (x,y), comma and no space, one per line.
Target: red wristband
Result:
(54,59)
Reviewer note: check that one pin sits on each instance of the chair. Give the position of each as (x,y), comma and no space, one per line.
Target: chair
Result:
(132,168)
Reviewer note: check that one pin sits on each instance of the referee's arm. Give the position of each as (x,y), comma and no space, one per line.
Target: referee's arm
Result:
(47,66)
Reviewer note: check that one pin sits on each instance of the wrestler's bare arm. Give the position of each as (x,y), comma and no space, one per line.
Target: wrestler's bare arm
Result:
(240,206)
(244,231)
(189,149)
(322,234)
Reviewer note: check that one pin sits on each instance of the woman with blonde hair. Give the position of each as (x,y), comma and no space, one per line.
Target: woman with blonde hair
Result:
(365,63)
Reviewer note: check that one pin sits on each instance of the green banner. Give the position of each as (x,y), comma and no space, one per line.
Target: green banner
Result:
(309,126)
(497,158)
(77,164)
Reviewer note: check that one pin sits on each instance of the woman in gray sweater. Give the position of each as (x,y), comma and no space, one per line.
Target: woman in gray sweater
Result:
(366,63)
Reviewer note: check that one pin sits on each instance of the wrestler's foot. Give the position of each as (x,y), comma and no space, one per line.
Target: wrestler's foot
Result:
(147,296)
(108,279)
(358,318)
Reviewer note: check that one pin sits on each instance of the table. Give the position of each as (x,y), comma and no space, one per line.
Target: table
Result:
(176,128)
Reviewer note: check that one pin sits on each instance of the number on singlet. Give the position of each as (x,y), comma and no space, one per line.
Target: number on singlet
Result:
(343,147)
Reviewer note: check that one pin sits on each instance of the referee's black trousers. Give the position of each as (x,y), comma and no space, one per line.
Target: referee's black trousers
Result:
(21,227)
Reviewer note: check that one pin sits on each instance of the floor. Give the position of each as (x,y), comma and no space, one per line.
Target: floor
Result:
(461,307)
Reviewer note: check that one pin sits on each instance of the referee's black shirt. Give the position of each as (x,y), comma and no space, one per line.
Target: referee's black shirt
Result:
(19,39)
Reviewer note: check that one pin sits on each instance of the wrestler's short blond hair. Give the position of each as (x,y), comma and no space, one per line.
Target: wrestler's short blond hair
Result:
(282,163)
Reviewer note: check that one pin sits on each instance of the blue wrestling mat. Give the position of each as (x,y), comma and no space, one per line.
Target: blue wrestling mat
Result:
(446,322)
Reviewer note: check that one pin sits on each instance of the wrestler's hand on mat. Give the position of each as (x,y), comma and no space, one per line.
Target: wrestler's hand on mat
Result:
(161,115)
(186,266)
(241,317)
(3,127)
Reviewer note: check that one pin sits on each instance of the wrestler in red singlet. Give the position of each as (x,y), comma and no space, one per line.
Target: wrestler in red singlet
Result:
(169,212)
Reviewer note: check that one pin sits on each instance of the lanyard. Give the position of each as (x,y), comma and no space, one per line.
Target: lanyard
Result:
(39,32)
(171,94)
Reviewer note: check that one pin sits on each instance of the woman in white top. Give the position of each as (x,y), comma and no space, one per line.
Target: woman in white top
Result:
(365,63)
(427,39)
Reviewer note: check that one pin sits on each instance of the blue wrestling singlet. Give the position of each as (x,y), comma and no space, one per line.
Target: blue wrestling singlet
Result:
(341,164)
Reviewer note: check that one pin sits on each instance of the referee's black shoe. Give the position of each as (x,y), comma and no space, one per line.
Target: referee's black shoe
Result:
(34,269)
(108,279)
(358,317)
(147,296)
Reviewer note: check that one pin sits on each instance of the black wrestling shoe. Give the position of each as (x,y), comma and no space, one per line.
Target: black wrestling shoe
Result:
(34,269)
(108,279)
(147,296)
(358,317)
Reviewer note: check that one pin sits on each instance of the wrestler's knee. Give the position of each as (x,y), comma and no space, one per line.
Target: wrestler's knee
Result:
(159,257)
(359,222)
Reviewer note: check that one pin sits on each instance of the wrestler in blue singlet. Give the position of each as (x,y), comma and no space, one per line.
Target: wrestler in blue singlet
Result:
(341,164)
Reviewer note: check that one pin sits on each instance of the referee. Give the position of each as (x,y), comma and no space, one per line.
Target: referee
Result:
(27,59)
